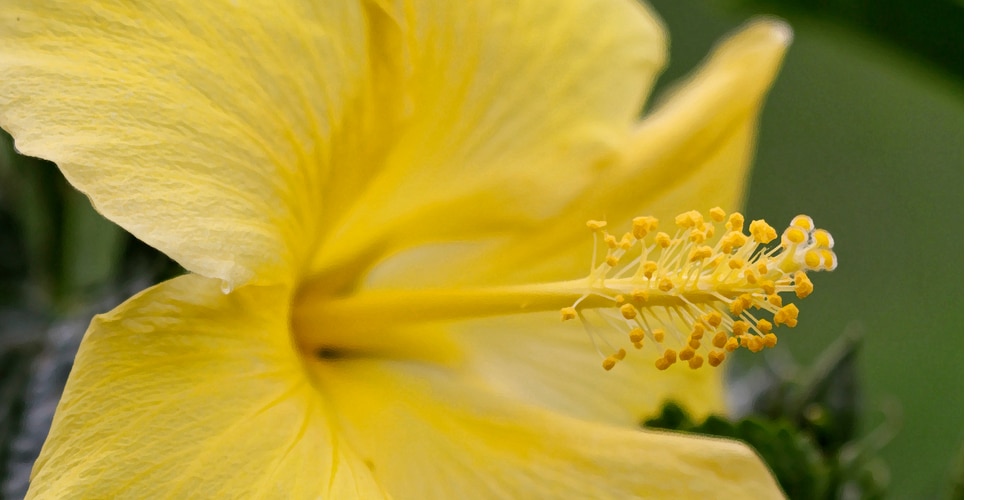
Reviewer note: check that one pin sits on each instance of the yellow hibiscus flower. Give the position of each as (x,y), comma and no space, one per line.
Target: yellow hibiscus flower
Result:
(382,209)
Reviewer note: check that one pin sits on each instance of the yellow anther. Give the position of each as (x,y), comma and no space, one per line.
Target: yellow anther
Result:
(732,344)
(627,241)
(620,355)
(774,299)
(694,343)
(803,286)
(596,225)
(669,358)
(663,239)
(611,241)
(658,334)
(698,330)
(735,223)
(662,363)
(803,221)
(755,344)
(719,340)
(629,311)
(686,353)
(750,276)
(762,231)
(665,285)
(700,253)
(697,236)
(640,296)
(714,319)
(813,259)
(641,226)
(636,335)
(793,236)
(608,363)
(740,327)
(762,269)
(611,260)
(567,313)
(696,362)
(637,345)
(733,240)
(823,238)
(764,326)
(736,263)
(689,219)
(787,315)
(619,300)
(768,287)
(717,214)
(740,304)
(649,269)
(770,340)
(709,231)
(715,358)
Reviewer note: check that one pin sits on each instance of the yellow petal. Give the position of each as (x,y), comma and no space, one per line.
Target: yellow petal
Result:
(428,434)
(502,111)
(202,128)
(539,360)
(693,152)
(184,392)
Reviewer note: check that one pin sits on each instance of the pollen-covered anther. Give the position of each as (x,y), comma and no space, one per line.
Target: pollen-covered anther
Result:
(764,326)
(770,340)
(649,269)
(717,214)
(596,225)
(700,253)
(641,226)
(735,223)
(628,311)
(658,334)
(568,313)
(686,353)
(636,335)
(668,359)
(688,220)
(696,362)
(663,239)
(611,260)
(755,343)
(640,296)
(762,231)
(720,339)
(787,315)
(803,286)
(715,358)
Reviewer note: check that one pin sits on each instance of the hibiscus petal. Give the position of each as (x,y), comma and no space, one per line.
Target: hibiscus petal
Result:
(539,360)
(428,434)
(501,112)
(185,392)
(693,152)
(198,127)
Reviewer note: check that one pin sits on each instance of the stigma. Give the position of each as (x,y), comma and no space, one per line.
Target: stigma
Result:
(695,301)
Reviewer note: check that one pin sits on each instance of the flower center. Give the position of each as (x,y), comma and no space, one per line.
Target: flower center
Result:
(672,292)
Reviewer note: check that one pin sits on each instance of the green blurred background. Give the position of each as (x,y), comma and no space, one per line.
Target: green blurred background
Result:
(863,131)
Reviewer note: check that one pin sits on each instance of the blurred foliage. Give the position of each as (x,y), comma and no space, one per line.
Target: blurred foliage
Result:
(931,29)
(804,424)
